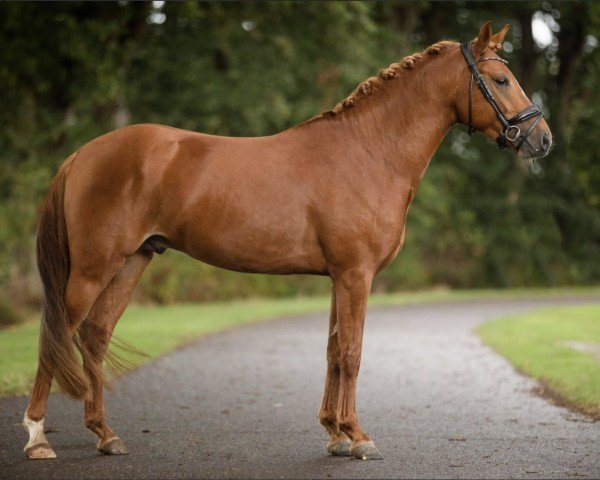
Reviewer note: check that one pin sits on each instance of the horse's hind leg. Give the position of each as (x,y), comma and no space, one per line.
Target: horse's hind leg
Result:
(38,446)
(82,291)
(339,443)
(95,336)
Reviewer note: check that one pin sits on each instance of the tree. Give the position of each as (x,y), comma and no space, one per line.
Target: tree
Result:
(77,70)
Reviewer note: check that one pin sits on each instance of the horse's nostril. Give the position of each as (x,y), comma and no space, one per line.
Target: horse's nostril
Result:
(545,142)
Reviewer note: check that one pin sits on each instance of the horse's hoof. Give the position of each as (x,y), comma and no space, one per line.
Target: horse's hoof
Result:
(366,451)
(113,447)
(339,448)
(40,451)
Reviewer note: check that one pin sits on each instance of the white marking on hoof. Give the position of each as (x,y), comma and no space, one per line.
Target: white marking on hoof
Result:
(37,447)
(40,452)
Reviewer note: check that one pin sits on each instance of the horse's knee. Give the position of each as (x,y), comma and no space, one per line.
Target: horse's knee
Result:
(349,360)
(333,363)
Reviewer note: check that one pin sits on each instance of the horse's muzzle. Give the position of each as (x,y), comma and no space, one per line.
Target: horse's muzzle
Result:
(536,146)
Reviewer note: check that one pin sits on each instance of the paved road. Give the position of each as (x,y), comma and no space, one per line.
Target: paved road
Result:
(244,403)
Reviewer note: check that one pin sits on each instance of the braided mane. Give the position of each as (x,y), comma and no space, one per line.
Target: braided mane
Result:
(370,85)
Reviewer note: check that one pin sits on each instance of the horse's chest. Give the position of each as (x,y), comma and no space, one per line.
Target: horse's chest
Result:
(390,238)
(393,249)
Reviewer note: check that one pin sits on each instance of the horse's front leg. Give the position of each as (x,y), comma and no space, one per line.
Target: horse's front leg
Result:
(339,443)
(352,289)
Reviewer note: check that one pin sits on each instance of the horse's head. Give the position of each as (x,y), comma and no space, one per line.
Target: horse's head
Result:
(494,102)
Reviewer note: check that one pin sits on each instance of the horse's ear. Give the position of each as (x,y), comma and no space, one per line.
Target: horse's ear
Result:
(483,39)
(497,39)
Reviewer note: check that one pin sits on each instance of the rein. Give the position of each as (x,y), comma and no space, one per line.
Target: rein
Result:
(510,132)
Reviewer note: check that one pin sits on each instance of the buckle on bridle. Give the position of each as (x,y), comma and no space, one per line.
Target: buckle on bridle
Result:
(512,133)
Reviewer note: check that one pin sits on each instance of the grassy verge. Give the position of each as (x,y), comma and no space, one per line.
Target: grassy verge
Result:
(159,329)
(559,347)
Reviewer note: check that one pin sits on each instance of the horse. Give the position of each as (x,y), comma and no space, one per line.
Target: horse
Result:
(328,197)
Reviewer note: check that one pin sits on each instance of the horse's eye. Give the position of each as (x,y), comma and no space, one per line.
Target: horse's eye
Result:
(501,81)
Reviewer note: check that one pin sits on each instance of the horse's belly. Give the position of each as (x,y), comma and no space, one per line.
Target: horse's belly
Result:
(254,261)
(277,249)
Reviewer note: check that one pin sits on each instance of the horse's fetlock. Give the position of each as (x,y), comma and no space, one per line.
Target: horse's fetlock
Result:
(328,420)
(348,427)
(93,422)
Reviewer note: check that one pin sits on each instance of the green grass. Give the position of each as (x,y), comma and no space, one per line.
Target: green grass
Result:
(536,343)
(158,329)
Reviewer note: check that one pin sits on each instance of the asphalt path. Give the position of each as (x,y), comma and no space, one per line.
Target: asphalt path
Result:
(243,404)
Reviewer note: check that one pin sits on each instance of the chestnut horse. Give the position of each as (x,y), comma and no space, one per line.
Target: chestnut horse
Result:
(326,197)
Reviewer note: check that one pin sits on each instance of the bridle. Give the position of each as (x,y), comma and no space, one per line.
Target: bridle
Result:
(510,133)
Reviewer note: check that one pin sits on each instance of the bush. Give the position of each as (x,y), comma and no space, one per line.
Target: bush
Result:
(8,315)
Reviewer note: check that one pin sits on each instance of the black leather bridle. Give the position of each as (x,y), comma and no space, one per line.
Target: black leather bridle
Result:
(510,133)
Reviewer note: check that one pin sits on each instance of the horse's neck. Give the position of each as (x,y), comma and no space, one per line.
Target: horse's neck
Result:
(408,127)
(402,125)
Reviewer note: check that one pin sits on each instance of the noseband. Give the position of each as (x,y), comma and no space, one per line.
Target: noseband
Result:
(510,133)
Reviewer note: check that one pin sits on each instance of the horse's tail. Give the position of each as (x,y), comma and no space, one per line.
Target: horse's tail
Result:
(56,356)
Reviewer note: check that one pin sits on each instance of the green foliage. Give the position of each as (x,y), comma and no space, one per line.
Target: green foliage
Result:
(79,69)
(540,344)
(8,315)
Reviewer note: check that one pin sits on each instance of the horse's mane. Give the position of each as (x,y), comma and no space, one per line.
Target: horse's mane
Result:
(371,85)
